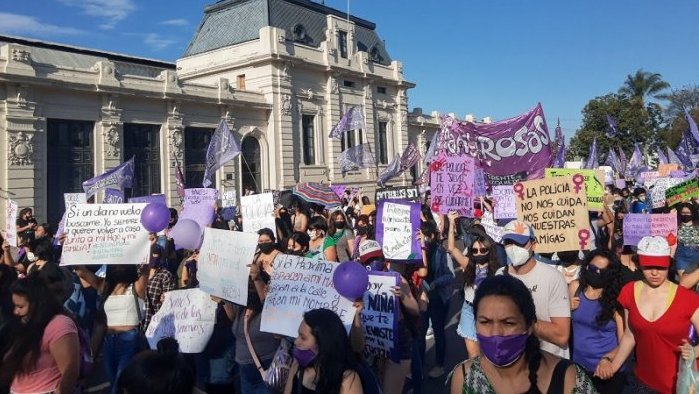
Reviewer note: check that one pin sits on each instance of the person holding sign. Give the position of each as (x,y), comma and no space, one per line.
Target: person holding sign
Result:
(480,262)
(323,358)
(547,285)
(321,246)
(511,360)
(267,250)
(341,233)
(687,254)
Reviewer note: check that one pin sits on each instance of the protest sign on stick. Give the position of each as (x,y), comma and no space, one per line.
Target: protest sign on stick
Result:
(298,285)
(11,223)
(188,316)
(594,184)
(397,223)
(74,198)
(257,210)
(380,316)
(556,208)
(199,205)
(491,228)
(451,180)
(683,191)
(410,193)
(223,264)
(105,234)
(504,202)
(639,225)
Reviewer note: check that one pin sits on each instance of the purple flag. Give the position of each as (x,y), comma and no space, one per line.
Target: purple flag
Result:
(424,177)
(353,119)
(157,198)
(612,126)
(505,147)
(356,157)
(684,151)
(112,196)
(560,155)
(391,171)
(558,132)
(635,162)
(622,162)
(692,125)
(410,156)
(222,149)
(592,161)
(612,160)
(339,190)
(662,159)
(179,179)
(672,157)
(118,178)
(432,149)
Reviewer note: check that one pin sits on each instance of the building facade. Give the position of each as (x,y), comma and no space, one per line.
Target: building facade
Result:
(280,72)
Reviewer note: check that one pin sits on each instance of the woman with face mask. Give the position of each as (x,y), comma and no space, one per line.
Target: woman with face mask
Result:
(323,360)
(687,254)
(297,244)
(320,247)
(266,250)
(478,262)
(510,360)
(597,316)
(340,231)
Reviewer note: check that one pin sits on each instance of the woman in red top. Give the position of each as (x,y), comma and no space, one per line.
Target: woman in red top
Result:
(659,314)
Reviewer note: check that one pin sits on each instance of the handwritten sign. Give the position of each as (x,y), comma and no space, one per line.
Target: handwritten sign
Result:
(639,225)
(504,202)
(113,196)
(503,180)
(10,223)
(298,285)
(380,316)
(228,199)
(410,193)
(223,264)
(397,223)
(105,234)
(649,178)
(491,228)
(198,205)
(160,198)
(556,208)
(451,180)
(74,198)
(684,191)
(659,188)
(256,211)
(188,316)
(594,184)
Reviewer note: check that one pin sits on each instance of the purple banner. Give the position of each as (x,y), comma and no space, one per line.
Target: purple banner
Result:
(118,177)
(502,147)
(149,199)
(451,182)
(397,222)
(112,196)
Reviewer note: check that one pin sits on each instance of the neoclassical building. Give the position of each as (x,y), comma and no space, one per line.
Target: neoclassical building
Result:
(280,72)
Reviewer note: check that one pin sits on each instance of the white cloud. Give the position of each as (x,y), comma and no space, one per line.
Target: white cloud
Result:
(110,11)
(175,22)
(154,40)
(24,25)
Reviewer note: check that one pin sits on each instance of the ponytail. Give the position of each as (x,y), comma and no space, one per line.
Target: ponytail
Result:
(532,354)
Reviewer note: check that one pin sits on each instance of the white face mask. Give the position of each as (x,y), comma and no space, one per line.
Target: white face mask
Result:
(31,257)
(517,255)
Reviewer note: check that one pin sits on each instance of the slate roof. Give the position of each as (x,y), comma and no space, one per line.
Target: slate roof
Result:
(231,22)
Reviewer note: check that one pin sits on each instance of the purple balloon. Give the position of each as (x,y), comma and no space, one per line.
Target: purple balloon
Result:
(155,217)
(351,280)
(187,234)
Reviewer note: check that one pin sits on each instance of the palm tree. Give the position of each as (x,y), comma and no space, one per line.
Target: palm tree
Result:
(643,84)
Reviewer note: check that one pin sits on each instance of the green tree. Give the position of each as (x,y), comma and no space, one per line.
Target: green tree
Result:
(643,84)
(679,100)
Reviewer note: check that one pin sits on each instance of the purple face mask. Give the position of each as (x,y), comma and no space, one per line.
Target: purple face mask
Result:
(304,357)
(504,350)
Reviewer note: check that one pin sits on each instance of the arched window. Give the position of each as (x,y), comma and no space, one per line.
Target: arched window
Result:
(251,165)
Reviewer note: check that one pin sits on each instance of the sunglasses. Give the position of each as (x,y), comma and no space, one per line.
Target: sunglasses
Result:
(479,250)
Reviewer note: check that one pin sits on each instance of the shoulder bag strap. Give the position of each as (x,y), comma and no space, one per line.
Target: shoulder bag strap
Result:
(251,349)
(559,376)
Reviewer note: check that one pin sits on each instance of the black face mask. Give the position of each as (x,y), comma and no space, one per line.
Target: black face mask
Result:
(266,247)
(686,218)
(339,225)
(481,259)
(362,230)
(296,252)
(596,280)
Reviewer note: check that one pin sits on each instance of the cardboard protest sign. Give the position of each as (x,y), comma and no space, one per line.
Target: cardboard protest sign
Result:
(74,198)
(257,210)
(683,191)
(228,205)
(105,234)
(380,316)
(188,316)
(397,222)
(113,196)
(594,184)
(639,225)
(657,191)
(298,285)
(503,180)
(410,193)
(666,169)
(649,178)
(451,180)
(11,223)
(222,268)
(159,198)
(504,202)
(199,205)
(556,208)
(491,228)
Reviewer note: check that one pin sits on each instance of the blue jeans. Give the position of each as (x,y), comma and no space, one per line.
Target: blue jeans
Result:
(118,350)
(251,380)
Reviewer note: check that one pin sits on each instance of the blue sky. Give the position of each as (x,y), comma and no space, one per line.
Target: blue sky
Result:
(489,57)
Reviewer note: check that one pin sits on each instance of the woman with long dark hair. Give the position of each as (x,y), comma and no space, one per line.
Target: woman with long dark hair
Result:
(478,261)
(597,319)
(321,247)
(340,231)
(511,360)
(687,253)
(44,354)
(323,359)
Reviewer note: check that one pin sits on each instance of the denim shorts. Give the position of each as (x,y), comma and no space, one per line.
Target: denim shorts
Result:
(467,322)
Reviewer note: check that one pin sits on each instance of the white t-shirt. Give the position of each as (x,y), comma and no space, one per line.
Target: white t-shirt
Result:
(550,294)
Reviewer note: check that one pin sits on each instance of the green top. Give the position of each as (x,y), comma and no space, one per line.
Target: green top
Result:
(475,381)
(316,253)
